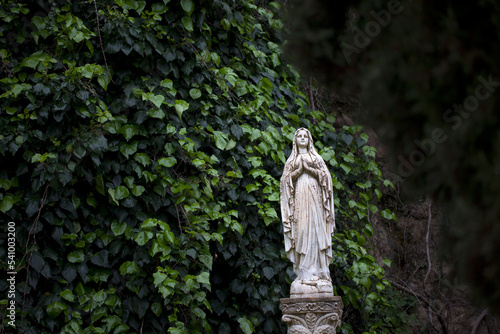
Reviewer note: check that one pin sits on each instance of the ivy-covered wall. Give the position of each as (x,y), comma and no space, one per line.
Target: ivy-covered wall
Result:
(142,146)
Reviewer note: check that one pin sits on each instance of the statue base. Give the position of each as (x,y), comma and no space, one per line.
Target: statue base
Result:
(311,288)
(312,315)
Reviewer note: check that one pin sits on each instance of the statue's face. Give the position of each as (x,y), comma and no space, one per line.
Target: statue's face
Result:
(302,139)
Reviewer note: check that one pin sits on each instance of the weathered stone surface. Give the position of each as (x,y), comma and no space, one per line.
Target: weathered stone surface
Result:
(307,210)
(308,215)
(316,288)
(312,315)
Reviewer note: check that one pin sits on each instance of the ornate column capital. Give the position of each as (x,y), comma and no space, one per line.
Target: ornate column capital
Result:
(319,315)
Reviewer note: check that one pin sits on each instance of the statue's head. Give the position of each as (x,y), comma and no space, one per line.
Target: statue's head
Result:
(303,138)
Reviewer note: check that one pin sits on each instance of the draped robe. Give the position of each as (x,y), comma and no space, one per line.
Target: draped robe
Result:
(307,208)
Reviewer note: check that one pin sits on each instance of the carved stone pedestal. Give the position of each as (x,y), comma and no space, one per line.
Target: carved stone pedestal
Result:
(319,315)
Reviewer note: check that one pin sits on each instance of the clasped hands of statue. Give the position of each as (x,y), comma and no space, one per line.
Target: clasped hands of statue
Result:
(301,165)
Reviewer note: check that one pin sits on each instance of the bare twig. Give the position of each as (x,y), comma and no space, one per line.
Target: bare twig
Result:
(432,309)
(421,299)
(405,243)
(57,59)
(178,218)
(33,228)
(429,263)
(478,320)
(311,96)
(418,268)
(35,223)
(100,41)
(142,324)
(427,247)
(397,195)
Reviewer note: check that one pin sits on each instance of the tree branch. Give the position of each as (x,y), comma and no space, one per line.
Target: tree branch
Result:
(478,321)
(427,246)
(426,301)
(311,96)
(429,264)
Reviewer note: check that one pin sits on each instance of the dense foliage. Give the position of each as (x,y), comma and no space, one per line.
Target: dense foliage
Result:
(142,147)
(428,76)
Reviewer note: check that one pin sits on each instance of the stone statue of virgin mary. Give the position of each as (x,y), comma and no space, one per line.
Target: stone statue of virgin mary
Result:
(307,209)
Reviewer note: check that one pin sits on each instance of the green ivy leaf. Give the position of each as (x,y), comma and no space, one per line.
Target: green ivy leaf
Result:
(156,113)
(246,326)
(387,214)
(7,203)
(111,322)
(104,80)
(251,187)
(68,295)
(157,100)
(76,256)
(198,312)
(129,268)
(99,181)
(220,140)
(188,6)
(167,162)
(388,183)
(235,226)
(159,278)
(346,168)
(218,237)
(195,93)
(225,24)
(6,184)
(55,308)
(148,224)
(187,23)
(138,190)
(99,296)
(156,308)
(128,149)
(266,85)
(169,237)
(118,193)
(118,228)
(230,145)
(143,159)
(142,237)
(203,278)
(128,131)
(268,272)
(167,83)
(101,258)
(180,107)
(129,181)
